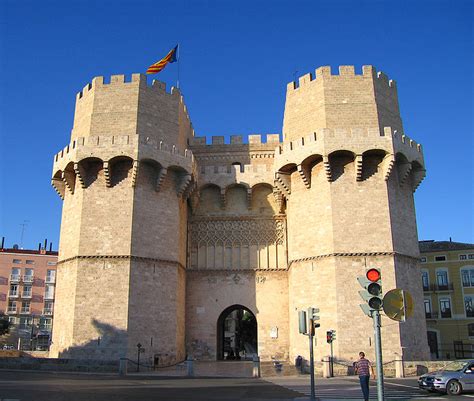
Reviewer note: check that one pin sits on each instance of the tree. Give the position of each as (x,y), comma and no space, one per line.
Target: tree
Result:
(4,324)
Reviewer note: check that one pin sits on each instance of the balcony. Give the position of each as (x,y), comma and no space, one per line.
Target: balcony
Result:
(49,295)
(26,295)
(13,294)
(25,311)
(435,287)
(48,312)
(28,278)
(50,279)
(431,315)
(15,278)
(11,310)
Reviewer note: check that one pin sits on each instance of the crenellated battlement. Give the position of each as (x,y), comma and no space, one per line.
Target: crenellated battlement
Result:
(135,80)
(107,147)
(345,72)
(358,141)
(253,139)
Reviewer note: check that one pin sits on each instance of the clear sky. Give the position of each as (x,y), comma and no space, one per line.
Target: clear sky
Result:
(236,59)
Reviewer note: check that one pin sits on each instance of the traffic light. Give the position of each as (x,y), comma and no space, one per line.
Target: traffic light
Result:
(372,284)
(313,318)
(330,336)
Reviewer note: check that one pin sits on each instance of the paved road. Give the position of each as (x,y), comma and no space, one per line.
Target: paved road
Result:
(348,388)
(42,386)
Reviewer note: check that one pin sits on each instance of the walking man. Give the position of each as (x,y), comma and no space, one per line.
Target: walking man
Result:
(363,367)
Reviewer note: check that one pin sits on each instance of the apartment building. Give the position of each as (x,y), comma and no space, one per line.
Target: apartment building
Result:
(447,271)
(27,287)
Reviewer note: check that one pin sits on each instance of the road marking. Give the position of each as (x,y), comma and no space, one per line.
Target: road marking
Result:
(467,395)
(401,385)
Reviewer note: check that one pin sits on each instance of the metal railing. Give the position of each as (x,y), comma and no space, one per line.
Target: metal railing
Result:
(15,278)
(28,278)
(438,287)
(50,279)
(47,312)
(13,294)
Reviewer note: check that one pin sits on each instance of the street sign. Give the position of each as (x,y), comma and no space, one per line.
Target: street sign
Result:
(398,304)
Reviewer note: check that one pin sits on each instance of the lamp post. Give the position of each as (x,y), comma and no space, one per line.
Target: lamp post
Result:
(139,351)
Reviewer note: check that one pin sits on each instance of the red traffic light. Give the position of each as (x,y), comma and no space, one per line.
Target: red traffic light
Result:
(373,275)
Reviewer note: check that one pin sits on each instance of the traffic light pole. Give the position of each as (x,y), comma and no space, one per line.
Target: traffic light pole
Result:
(311,361)
(378,354)
(331,363)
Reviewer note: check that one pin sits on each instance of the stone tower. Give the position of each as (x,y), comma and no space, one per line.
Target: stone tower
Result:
(152,233)
(348,174)
(124,179)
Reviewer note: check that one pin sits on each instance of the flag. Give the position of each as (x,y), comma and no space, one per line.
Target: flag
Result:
(171,57)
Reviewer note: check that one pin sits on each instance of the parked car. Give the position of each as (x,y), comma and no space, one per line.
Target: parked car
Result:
(454,378)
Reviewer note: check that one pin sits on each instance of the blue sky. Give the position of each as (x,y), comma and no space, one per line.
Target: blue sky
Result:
(236,59)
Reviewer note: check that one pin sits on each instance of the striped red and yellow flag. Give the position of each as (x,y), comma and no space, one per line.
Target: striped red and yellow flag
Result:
(171,57)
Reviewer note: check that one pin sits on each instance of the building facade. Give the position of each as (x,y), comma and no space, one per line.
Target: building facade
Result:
(165,236)
(27,288)
(447,270)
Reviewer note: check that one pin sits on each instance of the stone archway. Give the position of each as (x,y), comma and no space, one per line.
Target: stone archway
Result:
(236,334)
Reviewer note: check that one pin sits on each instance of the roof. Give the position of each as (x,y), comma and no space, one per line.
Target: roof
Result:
(438,246)
(29,251)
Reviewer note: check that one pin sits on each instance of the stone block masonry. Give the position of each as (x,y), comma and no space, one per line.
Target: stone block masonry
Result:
(163,234)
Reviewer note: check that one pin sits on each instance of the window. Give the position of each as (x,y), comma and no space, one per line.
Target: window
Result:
(470,329)
(468,306)
(462,257)
(28,277)
(445,307)
(12,319)
(425,279)
(50,276)
(26,291)
(442,279)
(25,307)
(30,262)
(25,322)
(48,308)
(51,263)
(49,291)
(15,274)
(423,259)
(13,290)
(427,303)
(467,277)
(11,307)
(471,256)
(45,323)
(440,258)
(16,261)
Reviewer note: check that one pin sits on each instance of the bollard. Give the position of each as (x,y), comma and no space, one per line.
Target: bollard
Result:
(123,367)
(399,368)
(256,366)
(189,366)
(327,366)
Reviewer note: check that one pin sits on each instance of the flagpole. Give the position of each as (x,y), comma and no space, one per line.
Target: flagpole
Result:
(177,83)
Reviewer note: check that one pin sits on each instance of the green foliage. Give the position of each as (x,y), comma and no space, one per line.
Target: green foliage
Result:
(4,325)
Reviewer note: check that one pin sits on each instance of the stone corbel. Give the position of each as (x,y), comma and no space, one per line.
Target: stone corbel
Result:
(284,181)
(358,164)
(161,177)
(69,180)
(278,198)
(305,175)
(183,185)
(418,176)
(80,175)
(135,167)
(327,168)
(403,172)
(58,186)
(389,162)
(223,198)
(108,183)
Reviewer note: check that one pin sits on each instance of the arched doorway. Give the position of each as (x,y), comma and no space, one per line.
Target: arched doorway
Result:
(236,334)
